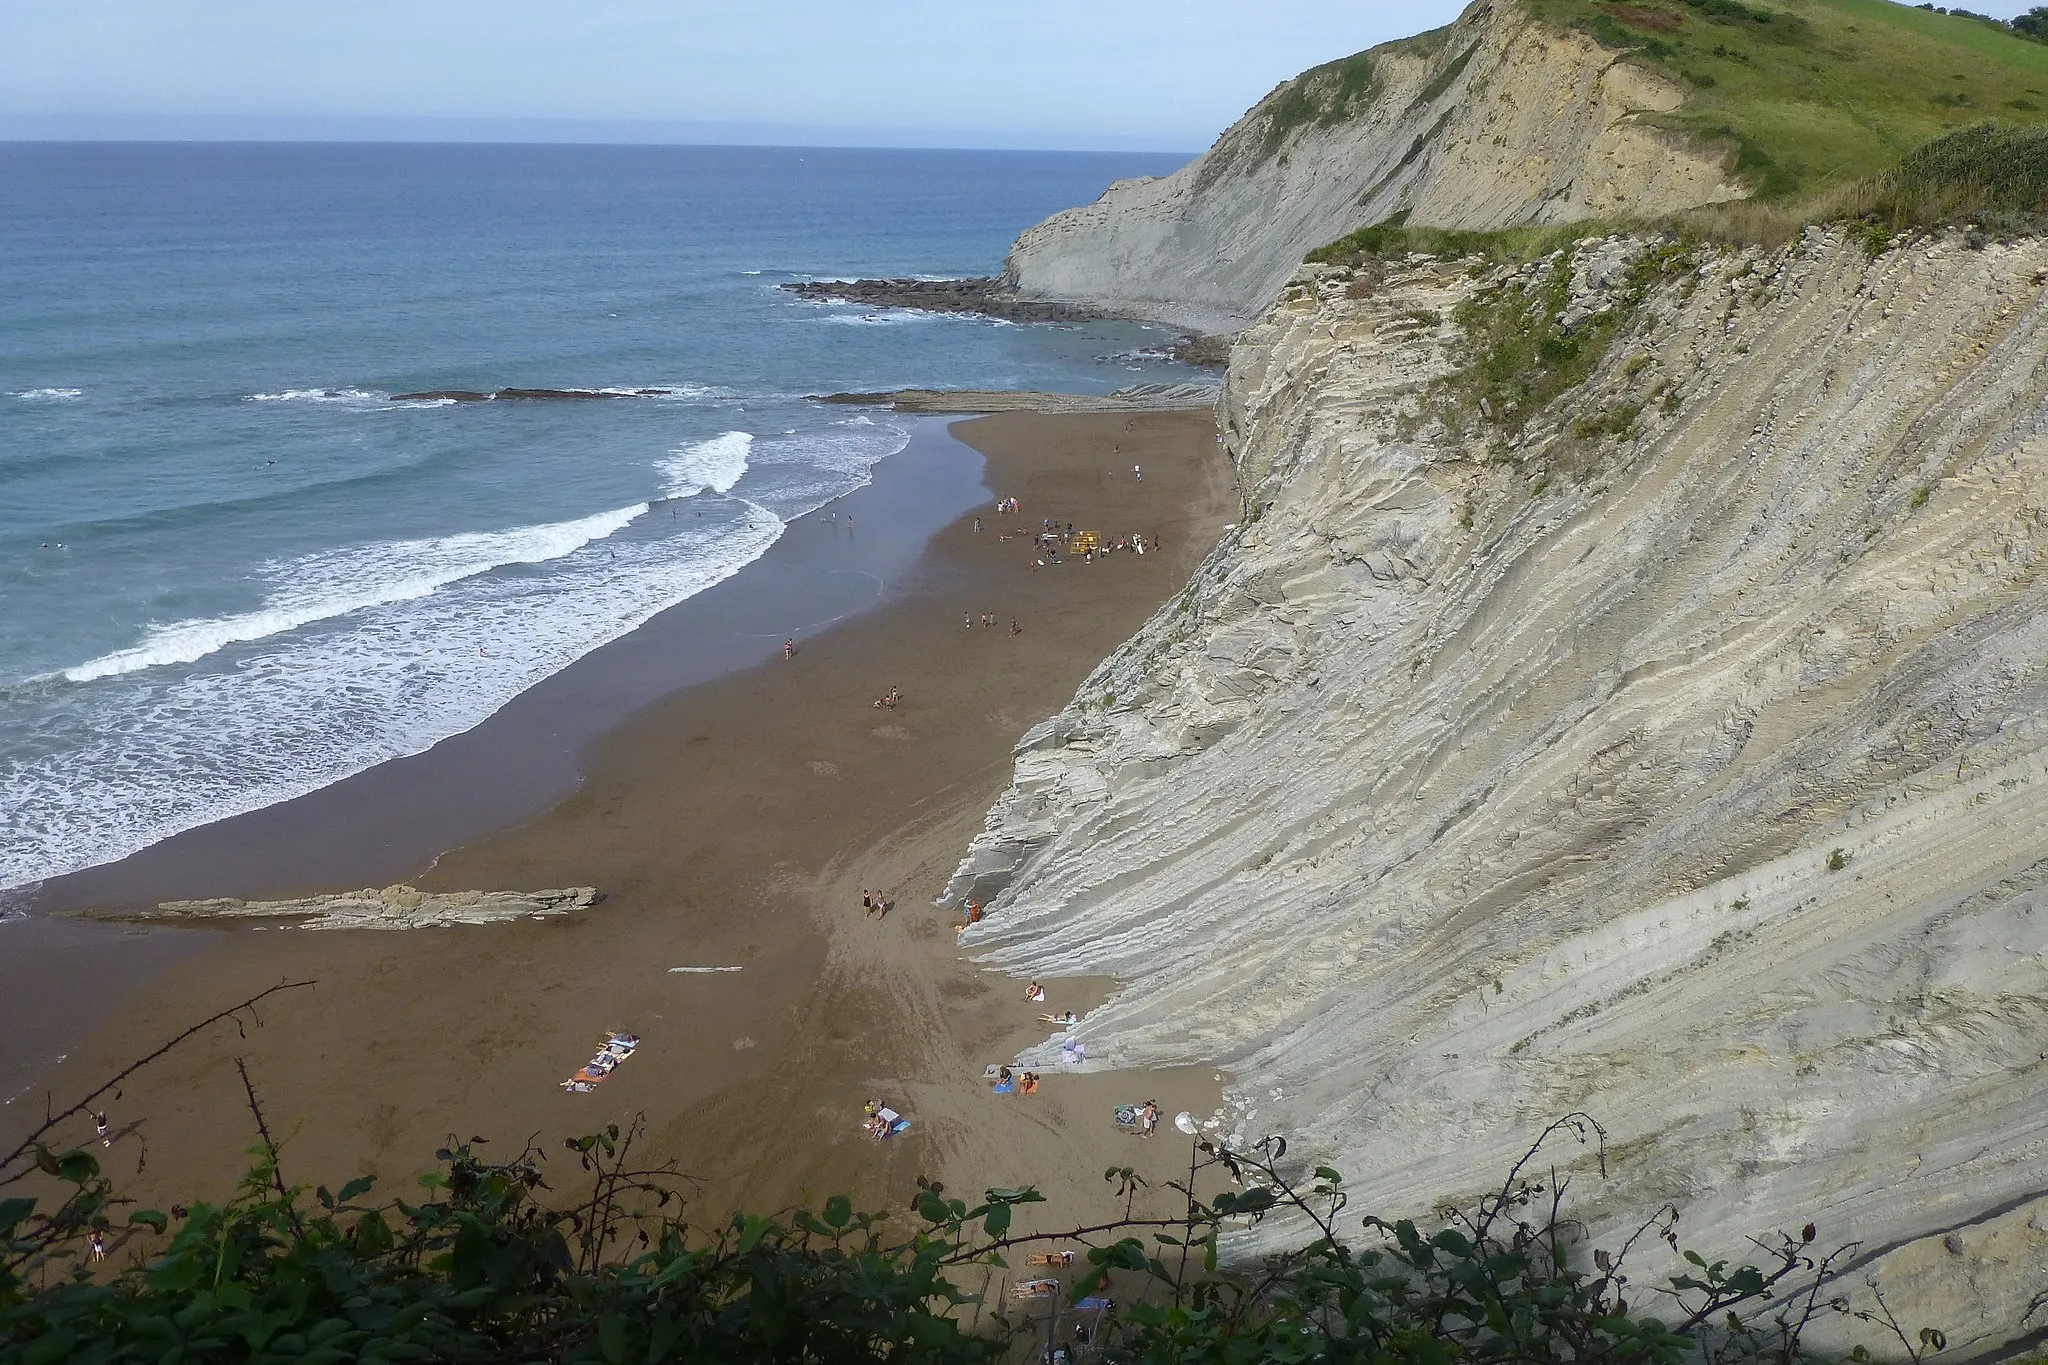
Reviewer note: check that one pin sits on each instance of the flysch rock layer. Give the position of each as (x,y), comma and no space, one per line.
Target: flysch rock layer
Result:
(1494,121)
(1705,790)
(392,907)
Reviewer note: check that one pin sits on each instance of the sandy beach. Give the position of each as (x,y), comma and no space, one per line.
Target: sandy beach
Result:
(734,823)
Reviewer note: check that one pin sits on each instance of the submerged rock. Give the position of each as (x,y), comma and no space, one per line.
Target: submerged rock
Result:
(392,907)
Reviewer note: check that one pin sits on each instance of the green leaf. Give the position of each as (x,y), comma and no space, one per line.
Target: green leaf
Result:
(355,1188)
(998,1221)
(12,1211)
(838,1211)
(611,1338)
(752,1231)
(177,1274)
(77,1167)
(148,1218)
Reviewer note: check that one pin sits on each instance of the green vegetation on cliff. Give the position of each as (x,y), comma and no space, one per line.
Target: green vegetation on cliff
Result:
(1811,95)
(485,1266)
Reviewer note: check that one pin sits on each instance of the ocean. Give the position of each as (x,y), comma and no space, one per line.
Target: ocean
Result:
(235,568)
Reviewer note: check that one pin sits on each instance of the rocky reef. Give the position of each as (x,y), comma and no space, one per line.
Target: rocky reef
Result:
(1136,398)
(1661,734)
(981,295)
(392,907)
(992,297)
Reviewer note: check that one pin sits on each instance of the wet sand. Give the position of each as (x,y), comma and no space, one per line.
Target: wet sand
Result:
(733,823)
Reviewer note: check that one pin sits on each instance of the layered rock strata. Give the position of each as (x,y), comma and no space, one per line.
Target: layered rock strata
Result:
(392,907)
(1496,120)
(1680,755)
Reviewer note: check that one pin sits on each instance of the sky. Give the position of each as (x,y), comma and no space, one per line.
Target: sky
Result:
(1165,75)
(1155,75)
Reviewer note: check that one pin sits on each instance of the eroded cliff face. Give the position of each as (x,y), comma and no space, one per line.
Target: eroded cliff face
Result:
(1681,757)
(1494,121)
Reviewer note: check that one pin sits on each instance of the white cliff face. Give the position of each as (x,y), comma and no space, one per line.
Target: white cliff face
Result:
(1494,121)
(1705,790)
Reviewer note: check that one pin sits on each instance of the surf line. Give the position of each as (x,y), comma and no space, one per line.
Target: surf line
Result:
(673,970)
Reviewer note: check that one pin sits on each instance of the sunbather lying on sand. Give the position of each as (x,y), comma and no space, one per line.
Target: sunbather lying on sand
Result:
(1065,1017)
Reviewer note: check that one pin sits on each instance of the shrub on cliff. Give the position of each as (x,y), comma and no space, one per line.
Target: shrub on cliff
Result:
(484,1268)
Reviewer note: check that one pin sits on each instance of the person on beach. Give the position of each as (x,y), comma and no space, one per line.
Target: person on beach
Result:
(99,1128)
(977,525)
(1015,629)
(96,1243)
(1029,1085)
(1148,1119)
(1035,993)
(789,648)
(867,903)
(967,619)
(1137,473)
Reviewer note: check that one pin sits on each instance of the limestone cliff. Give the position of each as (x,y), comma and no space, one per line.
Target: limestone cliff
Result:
(1493,121)
(1676,752)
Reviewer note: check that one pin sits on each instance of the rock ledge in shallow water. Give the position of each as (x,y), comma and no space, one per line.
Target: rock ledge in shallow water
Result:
(393,907)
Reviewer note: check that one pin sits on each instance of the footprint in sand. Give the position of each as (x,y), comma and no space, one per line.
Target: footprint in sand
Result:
(824,769)
(890,732)
(742,1044)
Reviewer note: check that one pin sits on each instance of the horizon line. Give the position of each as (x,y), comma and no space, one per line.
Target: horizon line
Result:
(380,129)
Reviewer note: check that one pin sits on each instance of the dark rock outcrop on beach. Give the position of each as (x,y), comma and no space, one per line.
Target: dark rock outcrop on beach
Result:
(987,296)
(392,907)
(511,395)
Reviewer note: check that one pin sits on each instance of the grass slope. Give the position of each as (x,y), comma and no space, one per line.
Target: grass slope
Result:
(1811,95)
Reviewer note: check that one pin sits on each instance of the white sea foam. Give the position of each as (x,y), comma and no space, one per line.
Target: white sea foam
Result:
(321,396)
(48,395)
(178,748)
(131,759)
(895,317)
(714,465)
(322,586)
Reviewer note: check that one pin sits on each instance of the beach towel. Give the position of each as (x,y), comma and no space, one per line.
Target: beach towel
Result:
(1095,1303)
(1130,1116)
(1005,1087)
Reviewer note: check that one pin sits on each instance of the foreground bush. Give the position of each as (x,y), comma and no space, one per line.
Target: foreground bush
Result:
(483,1268)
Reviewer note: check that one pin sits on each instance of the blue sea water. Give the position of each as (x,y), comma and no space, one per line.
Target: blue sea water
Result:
(233,569)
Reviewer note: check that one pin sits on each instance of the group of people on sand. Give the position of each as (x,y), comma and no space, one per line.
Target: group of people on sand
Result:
(874,905)
(882,1121)
(888,700)
(1007,1082)
(988,622)
(617,1048)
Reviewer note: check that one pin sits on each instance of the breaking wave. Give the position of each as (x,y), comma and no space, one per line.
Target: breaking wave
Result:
(714,465)
(334,583)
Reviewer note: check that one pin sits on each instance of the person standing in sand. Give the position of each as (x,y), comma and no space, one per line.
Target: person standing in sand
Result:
(867,903)
(1138,473)
(789,648)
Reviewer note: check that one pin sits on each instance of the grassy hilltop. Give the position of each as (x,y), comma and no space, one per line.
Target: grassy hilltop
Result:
(1817,94)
